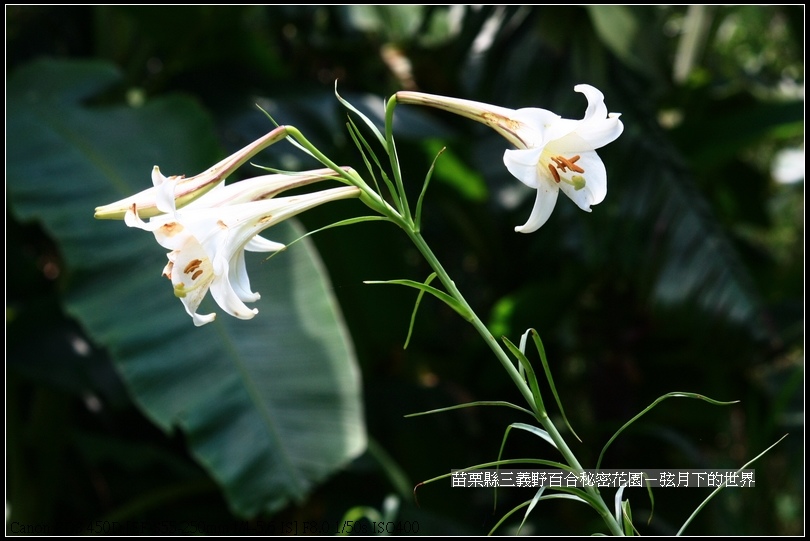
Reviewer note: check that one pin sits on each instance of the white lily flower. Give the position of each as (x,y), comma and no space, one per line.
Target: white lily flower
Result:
(553,153)
(169,193)
(208,238)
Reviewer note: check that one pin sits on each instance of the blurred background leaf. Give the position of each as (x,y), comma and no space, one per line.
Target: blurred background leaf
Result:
(240,391)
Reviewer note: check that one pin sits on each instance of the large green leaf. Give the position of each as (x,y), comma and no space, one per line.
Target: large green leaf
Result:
(270,406)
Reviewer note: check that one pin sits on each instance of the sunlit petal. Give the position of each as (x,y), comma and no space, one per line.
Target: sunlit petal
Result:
(224,293)
(593,188)
(523,165)
(544,204)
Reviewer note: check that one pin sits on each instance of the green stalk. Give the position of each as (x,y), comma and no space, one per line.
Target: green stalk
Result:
(542,417)
(372,199)
(476,322)
(392,154)
(603,510)
(368,196)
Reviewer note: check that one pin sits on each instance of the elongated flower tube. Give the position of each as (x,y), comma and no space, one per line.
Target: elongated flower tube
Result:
(552,154)
(174,192)
(207,239)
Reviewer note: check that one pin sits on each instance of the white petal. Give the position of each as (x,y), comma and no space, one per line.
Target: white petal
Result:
(261,244)
(169,233)
(523,165)
(239,279)
(598,127)
(595,188)
(535,124)
(596,102)
(192,275)
(157,177)
(224,294)
(199,320)
(598,133)
(133,220)
(543,206)
(164,194)
(546,127)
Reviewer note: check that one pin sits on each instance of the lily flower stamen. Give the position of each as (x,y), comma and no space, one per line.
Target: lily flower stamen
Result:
(563,162)
(194,264)
(554,173)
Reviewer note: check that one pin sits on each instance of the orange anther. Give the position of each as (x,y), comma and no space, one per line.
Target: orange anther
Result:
(554,172)
(558,160)
(564,163)
(193,264)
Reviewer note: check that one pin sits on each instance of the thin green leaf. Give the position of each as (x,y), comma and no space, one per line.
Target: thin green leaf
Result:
(651,406)
(532,504)
(472,404)
(393,155)
(275,171)
(441,295)
(507,515)
(627,519)
(354,133)
(268,115)
(538,405)
(534,430)
(415,308)
(617,504)
(365,119)
(293,142)
(297,138)
(453,171)
(565,497)
(543,359)
(418,220)
(347,221)
(723,485)
(391,188)
(546,497)
(522,348)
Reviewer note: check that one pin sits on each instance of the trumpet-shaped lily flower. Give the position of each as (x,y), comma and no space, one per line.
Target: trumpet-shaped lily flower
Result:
(552,154)
(169,193)
(207,239)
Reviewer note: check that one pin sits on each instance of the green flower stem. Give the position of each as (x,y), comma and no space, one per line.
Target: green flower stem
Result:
(476,322)
(368,196)
(541,416)
(392,154)
(602,508)
(374,201)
